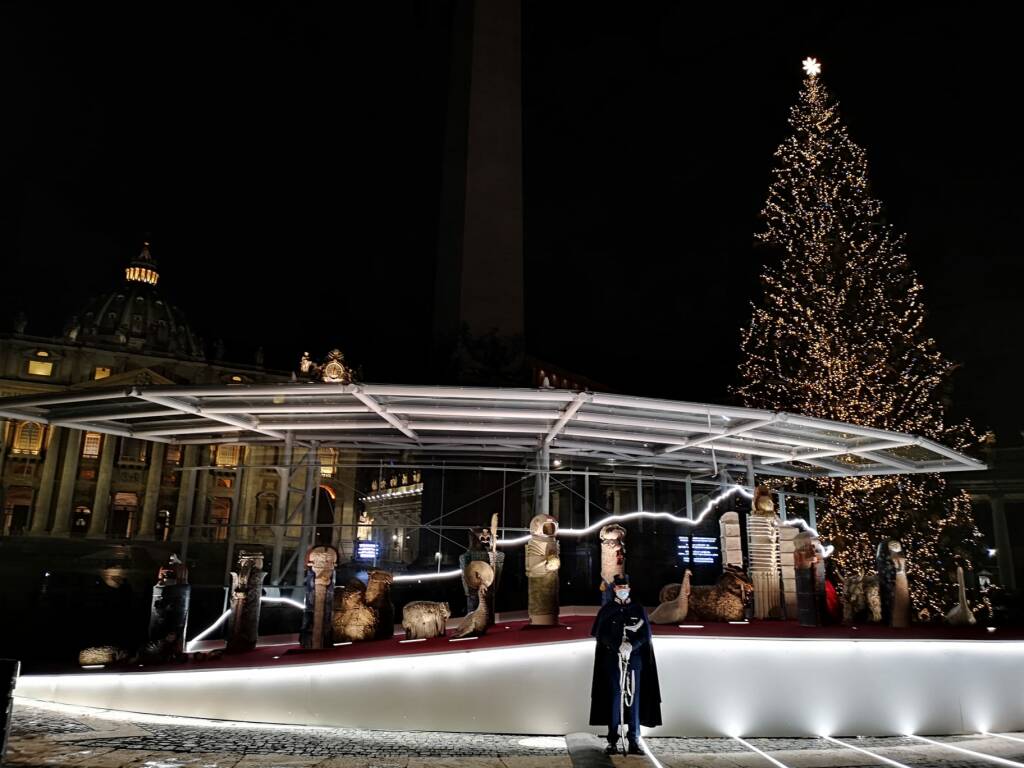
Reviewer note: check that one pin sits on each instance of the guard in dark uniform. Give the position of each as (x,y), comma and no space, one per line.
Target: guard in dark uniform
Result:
(623,635)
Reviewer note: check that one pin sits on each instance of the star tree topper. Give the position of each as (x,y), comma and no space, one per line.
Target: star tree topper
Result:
(812,67)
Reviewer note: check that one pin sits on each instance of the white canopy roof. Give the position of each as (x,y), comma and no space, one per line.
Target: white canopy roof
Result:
(495,426)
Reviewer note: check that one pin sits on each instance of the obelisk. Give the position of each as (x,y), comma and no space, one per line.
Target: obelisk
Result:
(479,281)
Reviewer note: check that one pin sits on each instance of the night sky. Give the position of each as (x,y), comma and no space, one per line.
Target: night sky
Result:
(287,166)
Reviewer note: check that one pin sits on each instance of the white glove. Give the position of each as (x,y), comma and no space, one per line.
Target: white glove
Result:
(625,649)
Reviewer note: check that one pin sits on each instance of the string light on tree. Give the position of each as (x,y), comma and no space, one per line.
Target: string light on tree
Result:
(838,334)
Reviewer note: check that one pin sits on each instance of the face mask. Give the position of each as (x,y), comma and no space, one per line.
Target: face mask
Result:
(622,594)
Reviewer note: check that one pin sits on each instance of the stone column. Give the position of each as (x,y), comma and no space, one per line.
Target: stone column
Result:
(155,476)
(254,456)
(202,492)
(233,520)
(3,447)
(101,503)
(345,507)
(1004,549)
(41,509)
(186,498)
(68,478)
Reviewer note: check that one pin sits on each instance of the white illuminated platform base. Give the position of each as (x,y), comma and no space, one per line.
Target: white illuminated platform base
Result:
(715,680)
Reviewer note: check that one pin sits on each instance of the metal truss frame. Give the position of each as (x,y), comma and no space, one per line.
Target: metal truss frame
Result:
(493,425)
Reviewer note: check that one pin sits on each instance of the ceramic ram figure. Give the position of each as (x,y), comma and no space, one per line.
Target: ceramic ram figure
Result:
(424,619)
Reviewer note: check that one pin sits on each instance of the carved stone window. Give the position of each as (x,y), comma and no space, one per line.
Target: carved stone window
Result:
(173,454)
(28,438)
(228,455)
(219,518)
(91,445)
(328,458)
(40,368)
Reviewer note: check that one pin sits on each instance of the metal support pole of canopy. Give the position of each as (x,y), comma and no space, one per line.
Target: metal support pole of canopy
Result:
(307,535)
(283,498)
(541,486)
(586,499)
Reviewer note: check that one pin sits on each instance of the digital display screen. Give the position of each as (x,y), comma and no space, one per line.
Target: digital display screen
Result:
(698,550)
(367,550)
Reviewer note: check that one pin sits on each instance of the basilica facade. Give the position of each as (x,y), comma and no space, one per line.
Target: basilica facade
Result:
(67,483)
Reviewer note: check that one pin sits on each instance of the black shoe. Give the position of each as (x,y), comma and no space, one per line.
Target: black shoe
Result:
(612,748)
(634,749)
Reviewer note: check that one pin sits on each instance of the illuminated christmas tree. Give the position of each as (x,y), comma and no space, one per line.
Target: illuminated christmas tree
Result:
(839,335)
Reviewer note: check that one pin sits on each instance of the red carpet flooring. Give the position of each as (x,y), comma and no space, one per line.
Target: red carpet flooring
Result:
(573,627)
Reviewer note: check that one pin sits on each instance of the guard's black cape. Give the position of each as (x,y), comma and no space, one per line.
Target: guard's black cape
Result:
(607,630)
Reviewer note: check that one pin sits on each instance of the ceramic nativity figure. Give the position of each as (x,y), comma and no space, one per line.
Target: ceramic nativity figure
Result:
(542,564)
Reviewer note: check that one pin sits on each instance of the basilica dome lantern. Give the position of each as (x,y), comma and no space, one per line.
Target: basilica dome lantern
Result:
(135,316)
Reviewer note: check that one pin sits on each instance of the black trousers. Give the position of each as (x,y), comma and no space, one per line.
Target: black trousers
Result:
(632,718)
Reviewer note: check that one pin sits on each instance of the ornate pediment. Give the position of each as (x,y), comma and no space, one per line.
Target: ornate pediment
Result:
(332,370)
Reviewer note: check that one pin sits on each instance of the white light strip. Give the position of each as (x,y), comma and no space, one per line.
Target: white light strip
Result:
(992,758)
(415,640)
(224,617)
(427,576)
(1002,736)
(866,752)
(691,626)
(763,754)
(141,717)
(798,522)
(644,515)
(647,751)
(346,642)
(206,632)
(285,600)
(460,639)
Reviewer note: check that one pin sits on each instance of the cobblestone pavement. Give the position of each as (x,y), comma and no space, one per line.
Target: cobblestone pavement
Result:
(823,753)
(47,736)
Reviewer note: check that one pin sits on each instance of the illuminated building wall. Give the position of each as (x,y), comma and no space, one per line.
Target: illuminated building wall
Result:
(67,483)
